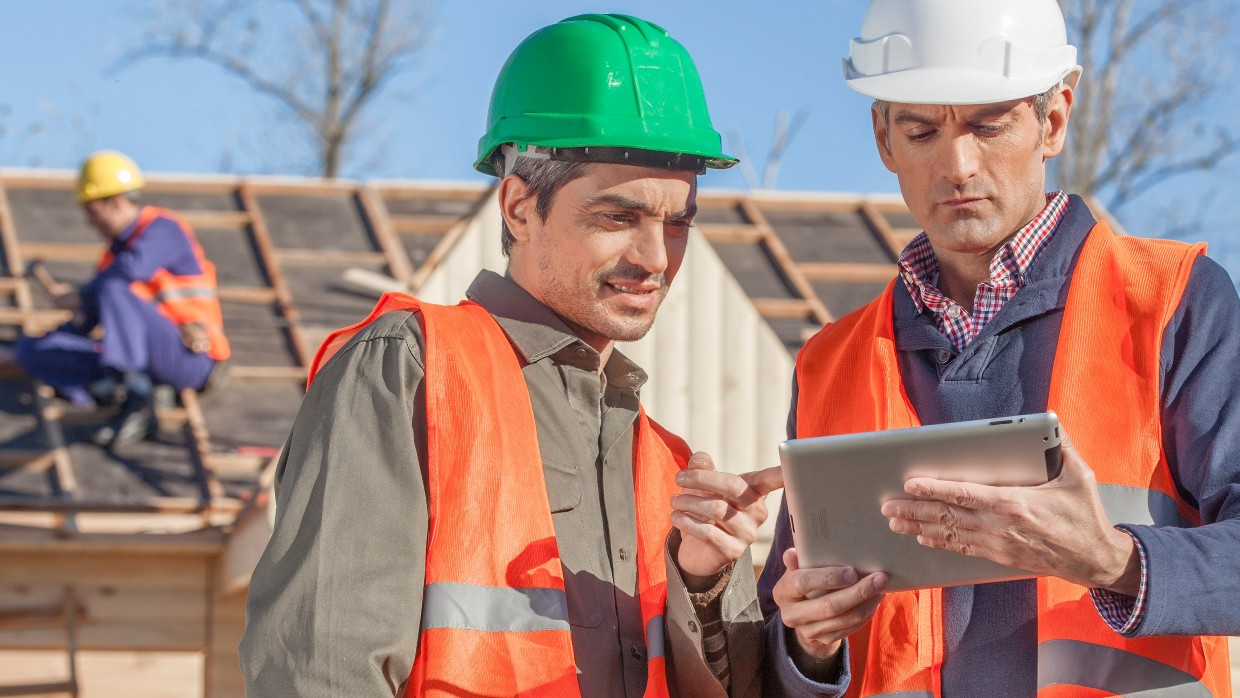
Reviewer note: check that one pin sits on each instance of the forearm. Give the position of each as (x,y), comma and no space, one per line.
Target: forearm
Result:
(1190,580)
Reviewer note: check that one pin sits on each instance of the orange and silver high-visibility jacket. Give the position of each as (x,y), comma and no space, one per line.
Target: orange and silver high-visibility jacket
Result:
(494,612)
(183,299)
(1105,387)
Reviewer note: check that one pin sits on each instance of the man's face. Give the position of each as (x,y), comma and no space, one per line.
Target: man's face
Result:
(971,175)
(608,250)
(107,216)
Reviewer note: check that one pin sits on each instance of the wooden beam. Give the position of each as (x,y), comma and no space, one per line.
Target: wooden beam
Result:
(328,258)
(38,182)
(44,541)
(731,232)
(62,251)
(306,188)
(29,318)
(26,461)
(775,247)
(380,223)
(49,420)
(16,262)
(241,294)
(882,229)
(423,224)
(215,219)
(198,439)
(271,263)
(784,307)
(848,272)
(448,241)
(297,373)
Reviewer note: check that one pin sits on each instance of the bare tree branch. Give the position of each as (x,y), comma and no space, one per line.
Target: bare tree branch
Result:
(326,61)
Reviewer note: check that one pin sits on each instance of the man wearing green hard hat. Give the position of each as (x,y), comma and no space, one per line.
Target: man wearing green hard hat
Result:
(472,501)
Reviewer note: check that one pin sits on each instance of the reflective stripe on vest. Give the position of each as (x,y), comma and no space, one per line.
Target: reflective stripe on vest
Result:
(1105,387)
(493,609)
(181,299)
(494,614)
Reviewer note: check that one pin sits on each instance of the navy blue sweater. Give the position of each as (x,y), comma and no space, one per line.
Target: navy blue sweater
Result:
(1193,574)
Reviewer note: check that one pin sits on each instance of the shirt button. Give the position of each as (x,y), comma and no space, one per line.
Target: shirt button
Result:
(581,351)
(624,554)
(944,356)
(953,311)
(637,653)
(692,627)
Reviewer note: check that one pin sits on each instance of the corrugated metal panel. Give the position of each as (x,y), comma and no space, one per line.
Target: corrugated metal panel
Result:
(719,376)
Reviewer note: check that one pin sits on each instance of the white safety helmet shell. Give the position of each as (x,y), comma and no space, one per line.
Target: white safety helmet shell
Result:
(959,51)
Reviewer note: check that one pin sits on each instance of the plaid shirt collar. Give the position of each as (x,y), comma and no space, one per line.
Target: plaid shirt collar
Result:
(920,270)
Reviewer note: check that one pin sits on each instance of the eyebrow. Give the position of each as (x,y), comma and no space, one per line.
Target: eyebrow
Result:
(989,112)
(627,204)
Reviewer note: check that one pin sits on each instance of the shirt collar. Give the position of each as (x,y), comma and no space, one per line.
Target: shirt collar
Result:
(919,267)
(538,333)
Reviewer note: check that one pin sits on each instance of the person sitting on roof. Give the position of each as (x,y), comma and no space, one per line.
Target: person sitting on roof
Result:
(154,299)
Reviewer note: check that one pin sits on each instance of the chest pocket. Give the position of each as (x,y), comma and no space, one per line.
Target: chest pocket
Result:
(563,485)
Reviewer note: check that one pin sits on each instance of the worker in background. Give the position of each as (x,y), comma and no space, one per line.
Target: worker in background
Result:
(149,316)
(1015,301)
(472,501)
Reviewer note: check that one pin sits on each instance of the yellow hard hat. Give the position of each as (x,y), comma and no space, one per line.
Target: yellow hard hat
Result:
(107,173)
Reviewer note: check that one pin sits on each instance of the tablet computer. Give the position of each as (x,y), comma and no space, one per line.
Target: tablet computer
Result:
(835,486)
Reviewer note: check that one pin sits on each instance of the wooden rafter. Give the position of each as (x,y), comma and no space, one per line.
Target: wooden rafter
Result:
(779,253)
(380,222)
(271,265)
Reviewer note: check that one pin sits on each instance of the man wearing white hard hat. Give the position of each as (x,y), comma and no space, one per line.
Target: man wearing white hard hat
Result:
(1017,301)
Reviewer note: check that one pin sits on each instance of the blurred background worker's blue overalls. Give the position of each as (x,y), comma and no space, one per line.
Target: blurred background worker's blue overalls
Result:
(154,299)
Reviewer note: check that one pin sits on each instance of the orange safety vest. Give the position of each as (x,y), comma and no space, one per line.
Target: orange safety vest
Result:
(181,299)
(494,613)
(1105,388)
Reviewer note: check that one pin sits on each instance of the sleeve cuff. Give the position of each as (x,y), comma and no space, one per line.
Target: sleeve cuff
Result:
(792,679)
(1121,612)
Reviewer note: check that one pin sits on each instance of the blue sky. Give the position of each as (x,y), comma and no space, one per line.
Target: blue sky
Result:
(755,58)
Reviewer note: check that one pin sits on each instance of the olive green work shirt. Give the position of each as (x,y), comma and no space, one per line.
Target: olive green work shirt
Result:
(334,606)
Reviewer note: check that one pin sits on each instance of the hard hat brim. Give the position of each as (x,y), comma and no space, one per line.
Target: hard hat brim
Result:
(952,86)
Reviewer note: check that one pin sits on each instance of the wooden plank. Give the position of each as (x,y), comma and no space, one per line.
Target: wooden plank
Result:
(258,295)
(13,253)
(198,439)
(271,264)
(783,307)
(33,318)
(215,219)
(848,272)
(297,373)
(731,232)
(62,466)
(62,251)
(328,258)
(449,240)
(38,182)
(17,542)
(779,253)
(308,187)
(421,190)
(878,223)
(380,223)
(26,461)
(423,224)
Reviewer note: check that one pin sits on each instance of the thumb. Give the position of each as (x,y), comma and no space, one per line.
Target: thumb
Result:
(701,461)
(790,560)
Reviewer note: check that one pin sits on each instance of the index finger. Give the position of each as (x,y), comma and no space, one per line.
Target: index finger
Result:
(962,494)
(765,481)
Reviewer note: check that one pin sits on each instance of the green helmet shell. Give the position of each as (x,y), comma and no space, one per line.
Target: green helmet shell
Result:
(606,81)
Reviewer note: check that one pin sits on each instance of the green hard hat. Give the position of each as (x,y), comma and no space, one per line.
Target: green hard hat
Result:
(604,88)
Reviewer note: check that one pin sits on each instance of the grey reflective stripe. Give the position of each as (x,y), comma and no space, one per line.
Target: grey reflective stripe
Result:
(493,609)
(654,637)
(1137,505)
(176,293)
(902,694)
(1076,663)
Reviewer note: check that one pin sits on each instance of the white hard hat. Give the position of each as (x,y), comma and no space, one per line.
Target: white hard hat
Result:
(959,51)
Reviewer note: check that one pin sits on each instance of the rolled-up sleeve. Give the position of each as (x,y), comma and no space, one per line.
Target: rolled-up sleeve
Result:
(335,602)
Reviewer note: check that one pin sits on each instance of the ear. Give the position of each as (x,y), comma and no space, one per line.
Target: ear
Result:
(882,137)
(1055,130)
(516,206)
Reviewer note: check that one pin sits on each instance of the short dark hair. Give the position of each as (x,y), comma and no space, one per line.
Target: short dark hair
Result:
(543,179)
